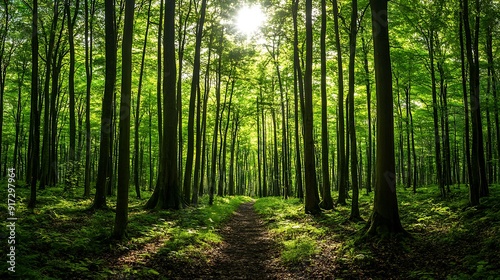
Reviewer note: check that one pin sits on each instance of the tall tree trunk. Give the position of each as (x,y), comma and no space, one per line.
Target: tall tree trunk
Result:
(437,140)
(235,126)
(88,71)
(4,62)
(341,154)
(493,79)
(352,125)
(312,196)
(34,134)
(466,102)
(181,32)
(195,83)
(204,123)
(470,47)
(137,123)
(71,82)
(264,150)
(276,170)
(213,165)
(45,160)
(369,110)
(107,108)
(297,86)
(385,216)
(159,79)
(121,218)
(327,202)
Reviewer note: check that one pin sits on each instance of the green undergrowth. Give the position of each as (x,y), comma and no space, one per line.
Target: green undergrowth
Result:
(297,235)
(450,240)
(61,240)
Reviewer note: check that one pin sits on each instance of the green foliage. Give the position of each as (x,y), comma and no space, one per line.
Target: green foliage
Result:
(287,221)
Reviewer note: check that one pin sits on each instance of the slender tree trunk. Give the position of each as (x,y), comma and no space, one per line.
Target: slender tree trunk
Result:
(137,168)
(327,202)
(312,196)
(20,79)
(192,101)
(369,110)
(264,150)
(159,79)
(276,170)
(466,101)
(107,108)
(352,125)
(216,127)
(341,154)
(493,80)
(297,86)
(34,134)
(437,141)
(182,43)
(121,218)
(471,47)
(204,123)
(235,126)
(88,71)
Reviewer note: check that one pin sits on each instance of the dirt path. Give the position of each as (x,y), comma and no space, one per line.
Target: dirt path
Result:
(247,251)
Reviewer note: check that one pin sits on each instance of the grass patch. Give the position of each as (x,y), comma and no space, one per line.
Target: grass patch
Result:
(297,235)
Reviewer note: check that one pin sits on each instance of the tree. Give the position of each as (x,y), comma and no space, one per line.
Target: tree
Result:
(342,162)
(194,89)
(5,56)
(138,106)
(107,107)
(34,135)
(167,191)
(121,218)
(312,196)
(327,202)
(88,74)
(297,92)
(385,216)
(71,82)
(352,127)
(479,184)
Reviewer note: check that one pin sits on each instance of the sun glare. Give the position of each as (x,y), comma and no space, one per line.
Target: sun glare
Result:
(249,19)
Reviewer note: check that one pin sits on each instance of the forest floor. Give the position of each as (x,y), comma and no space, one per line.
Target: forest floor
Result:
(244,238)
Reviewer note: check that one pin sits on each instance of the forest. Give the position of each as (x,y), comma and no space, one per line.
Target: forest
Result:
(256,139)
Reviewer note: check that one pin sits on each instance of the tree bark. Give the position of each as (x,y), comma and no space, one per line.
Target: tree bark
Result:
(341,154)
(352,126)
(121,218)
(312,196)
(34,134)
(385,216)
(137,123)
(107,107)
(192,102)
(327,202)
(297,86)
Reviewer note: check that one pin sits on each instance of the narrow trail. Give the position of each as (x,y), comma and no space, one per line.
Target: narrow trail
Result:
(247,251)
